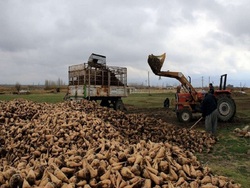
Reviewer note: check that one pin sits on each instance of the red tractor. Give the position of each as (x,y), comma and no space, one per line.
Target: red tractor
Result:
(189,101)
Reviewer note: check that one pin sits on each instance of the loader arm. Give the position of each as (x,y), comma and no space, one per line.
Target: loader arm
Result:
(156,62)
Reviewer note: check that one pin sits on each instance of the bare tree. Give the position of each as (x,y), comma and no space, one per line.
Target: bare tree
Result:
(18,87)
(46,84)
(49,84)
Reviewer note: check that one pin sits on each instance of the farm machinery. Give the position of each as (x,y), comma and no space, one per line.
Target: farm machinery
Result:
(189,101)
(95,80)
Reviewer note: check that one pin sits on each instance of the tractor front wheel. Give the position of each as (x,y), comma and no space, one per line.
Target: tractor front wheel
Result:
(184,115)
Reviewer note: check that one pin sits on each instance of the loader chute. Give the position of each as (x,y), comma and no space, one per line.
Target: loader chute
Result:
(156,62)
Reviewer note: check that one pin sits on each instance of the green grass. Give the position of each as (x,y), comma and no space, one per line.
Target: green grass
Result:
(146,100)
(242,106)
(230,156)
(41,97)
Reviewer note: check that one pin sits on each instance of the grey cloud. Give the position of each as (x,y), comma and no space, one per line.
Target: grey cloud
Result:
(49,36)
(236,19)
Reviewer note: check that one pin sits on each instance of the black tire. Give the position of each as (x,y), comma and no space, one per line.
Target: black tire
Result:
(184,115)
(119,105)
(105,102)
(226,108)
(166,103)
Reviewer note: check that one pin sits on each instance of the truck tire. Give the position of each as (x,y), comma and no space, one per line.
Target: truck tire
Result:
(226,108)
(119,105)
(184,115)
(105,103)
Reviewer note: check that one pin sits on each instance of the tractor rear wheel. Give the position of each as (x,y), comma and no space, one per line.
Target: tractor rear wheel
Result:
(226,108)
(184,115)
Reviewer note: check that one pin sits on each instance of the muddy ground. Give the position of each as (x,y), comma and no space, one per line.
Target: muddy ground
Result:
(166,115)
(169,116)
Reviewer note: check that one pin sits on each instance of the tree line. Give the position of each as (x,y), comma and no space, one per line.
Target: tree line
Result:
(48,85)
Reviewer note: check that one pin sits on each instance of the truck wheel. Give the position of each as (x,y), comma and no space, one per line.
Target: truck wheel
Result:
(184,115)
(226,108)
(119,105)
(105,102)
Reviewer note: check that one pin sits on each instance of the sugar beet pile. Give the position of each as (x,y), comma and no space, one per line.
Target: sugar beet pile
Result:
(80,144)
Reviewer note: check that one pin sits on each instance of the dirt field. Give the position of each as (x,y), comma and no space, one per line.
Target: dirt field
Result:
(166,115)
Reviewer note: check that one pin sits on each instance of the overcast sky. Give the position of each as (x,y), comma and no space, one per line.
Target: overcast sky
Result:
(202,38)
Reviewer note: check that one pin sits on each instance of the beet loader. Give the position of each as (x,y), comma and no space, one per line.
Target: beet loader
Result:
(189,102)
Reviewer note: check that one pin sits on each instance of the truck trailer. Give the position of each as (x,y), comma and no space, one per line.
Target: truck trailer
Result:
(96,81)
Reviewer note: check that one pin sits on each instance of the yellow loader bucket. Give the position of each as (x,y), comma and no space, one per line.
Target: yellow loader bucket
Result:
(156,62)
